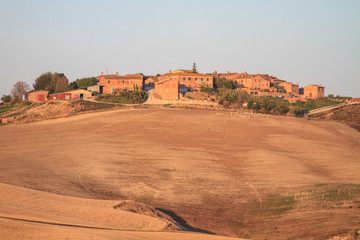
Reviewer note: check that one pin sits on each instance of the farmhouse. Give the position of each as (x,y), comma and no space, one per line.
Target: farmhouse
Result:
(37,96)
(249,81)
(114,82)
(290,87)
(167,89)
(74,94)
(314,91)
(189,80)
(150,81)
(169,85)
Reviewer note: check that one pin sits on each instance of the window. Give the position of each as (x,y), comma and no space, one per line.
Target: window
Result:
(108,81)
(195,79)
(123,81)
(207,79)
(189,78)
(201,79)
(183,78)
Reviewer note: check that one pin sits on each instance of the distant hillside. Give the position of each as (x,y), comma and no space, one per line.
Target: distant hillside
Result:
(349,114)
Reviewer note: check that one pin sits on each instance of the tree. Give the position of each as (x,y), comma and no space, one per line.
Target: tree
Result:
(6,98)
(73,85)
(52,82)
(61,82)
(86,82)
(19,90)
(44,82)
(194,68)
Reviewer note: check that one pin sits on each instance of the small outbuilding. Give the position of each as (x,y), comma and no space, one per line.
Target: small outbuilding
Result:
(74,94)
(37,96)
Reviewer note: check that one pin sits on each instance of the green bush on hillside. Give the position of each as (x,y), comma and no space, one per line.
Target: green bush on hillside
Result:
(128,97)
(316,103)
(225,83)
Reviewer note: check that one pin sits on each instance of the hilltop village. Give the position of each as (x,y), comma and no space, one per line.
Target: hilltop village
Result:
(172,85)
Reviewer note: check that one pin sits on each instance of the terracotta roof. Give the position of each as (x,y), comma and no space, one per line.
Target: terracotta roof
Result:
(185,73)
(283,83)
(315,85)
(117,76)
(165,80)
(184,70)
(227,74)
(37,91)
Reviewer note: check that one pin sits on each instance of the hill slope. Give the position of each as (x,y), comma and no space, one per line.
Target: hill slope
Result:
(239,175)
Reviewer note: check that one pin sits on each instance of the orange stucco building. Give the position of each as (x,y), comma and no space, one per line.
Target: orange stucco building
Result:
(314,91)
(37,96)
(189,80)
(290,87)
(115,82)
(167,89)
(250,81)
(253,81)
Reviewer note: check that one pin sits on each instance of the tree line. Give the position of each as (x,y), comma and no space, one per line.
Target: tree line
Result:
(51,82)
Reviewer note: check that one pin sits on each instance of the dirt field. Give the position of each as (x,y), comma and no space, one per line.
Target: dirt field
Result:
(259,177)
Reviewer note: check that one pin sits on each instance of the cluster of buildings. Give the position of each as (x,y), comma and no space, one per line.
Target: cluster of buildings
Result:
(171,85)
(268,85)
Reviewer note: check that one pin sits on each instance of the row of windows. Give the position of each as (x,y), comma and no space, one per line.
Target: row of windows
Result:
(189,78)
(119,81)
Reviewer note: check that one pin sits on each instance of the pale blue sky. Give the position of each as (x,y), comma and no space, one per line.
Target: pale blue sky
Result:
(300,41)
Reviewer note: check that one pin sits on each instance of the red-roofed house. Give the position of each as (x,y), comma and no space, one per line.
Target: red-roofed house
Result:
(290,88)
(115,82)
(314,91)
(189,80)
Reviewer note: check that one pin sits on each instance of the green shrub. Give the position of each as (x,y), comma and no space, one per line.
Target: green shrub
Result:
(282,109)
(267,103)
(135,97)
(204,88)
(225,83)
(250,103)
(226,104)
(297,111)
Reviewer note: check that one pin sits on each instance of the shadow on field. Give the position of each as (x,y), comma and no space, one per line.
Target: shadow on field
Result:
(183,222)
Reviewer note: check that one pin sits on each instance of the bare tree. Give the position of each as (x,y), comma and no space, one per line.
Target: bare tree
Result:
(19,90)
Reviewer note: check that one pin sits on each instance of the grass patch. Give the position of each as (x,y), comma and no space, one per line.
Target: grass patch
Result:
(165,173)
(335,192)
(88,106)
(316,103)
(8,108)
(208,199)
(278,204)
(22,117)
(146,199)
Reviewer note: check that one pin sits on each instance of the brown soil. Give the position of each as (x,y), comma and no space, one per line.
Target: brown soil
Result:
(250,176)
(56,109)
